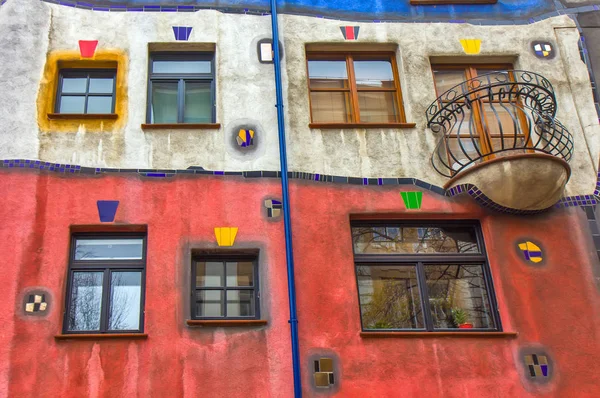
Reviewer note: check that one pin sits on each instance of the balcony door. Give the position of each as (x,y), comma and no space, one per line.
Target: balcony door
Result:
(489,119)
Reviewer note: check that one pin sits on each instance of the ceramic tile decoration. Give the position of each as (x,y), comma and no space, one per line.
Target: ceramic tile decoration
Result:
(182,33)
(36,303)
(412,200)
(245,138)
(226,235)
(87,48)
(537,365)
(323,373)
(107,210)
(273,208)
(531,252)
(350,32)
(471,46)
(543,49)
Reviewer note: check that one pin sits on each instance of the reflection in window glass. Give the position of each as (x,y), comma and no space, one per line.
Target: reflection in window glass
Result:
(209,303)
(458,296)
(125,300)
(198,103)
(209,274)
(74,85)
(85,301)
(377,107)
(374,74)
(99,104)
(184,67)
(101,85)
(330,107)
(164,102)
(72,104)
(240,303)
(240,274)
(109,249)
(328,74)
(389,297)
(415,240)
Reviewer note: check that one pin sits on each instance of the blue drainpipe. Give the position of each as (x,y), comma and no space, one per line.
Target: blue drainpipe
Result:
(289,253)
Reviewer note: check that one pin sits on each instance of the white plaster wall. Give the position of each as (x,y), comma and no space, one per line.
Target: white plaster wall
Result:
(245,91)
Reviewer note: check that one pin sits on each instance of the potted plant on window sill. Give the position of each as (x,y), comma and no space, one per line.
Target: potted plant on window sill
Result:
(461,318)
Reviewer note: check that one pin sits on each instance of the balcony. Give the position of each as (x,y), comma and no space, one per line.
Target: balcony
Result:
(498,132)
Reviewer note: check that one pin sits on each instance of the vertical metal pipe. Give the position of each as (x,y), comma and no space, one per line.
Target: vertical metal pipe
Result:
(289,253)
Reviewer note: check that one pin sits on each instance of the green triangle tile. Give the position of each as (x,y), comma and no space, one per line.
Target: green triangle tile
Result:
(412,200)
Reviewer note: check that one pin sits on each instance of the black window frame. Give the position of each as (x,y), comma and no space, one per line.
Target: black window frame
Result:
(87,73)
(224,259)
(181,78)
(105,266)
(419,261)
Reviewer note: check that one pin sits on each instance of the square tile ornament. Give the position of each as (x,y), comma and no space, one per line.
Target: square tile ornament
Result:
(537,365)
(531,252)
(36,303)
(543,49)
(245,138)
(273,207)
(323,373)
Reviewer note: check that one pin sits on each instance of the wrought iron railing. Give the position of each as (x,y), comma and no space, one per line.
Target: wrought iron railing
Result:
(496,114)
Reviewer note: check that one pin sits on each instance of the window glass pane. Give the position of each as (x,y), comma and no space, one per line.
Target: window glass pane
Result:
(461,155)
(414,240)
(101,85)
(76,85)
(328,74)
(240,303)
(240,274)
(164,102)
(330,107)
(85,301)
(198,103)
(69,104)
(99,105)
(125,300)
(377,107)
(458,296)
(109,249)
(446,79)
(499,79)
(389,297)
(209,274)
(209,303)
(181,67)
(502,118)
(374,74)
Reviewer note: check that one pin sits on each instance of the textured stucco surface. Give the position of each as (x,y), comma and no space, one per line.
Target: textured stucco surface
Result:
(245,91)
(554,305)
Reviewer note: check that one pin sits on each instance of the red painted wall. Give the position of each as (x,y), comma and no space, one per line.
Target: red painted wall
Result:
(554,306)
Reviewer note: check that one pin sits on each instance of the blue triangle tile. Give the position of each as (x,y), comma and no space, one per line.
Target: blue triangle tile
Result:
(107,210)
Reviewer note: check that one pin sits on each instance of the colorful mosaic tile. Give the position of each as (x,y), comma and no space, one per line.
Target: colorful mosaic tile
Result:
(531,252)
(245,138)
(412,200)
(323,374)
(350,32)
(87,48)
(36,303)
(226,235)
(182,33)
(543,49)
(471,46)
(107,210)
(273,208)
(537,365)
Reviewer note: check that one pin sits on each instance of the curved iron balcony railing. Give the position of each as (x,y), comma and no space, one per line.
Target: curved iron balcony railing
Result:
(496,114)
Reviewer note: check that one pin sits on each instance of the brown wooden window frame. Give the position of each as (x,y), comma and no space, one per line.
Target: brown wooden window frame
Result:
(353,90)
(485,137)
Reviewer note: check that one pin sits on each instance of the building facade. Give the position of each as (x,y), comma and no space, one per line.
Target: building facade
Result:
(443,188)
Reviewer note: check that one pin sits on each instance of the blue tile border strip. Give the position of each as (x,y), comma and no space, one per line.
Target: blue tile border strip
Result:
(258,10)
(471,190)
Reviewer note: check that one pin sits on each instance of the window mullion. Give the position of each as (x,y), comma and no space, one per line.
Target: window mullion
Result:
(87,90)
(104,310)
(180,100)
(353,90)
(424,296)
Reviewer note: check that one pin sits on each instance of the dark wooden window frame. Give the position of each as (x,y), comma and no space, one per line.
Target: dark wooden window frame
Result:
(105,266)
(349,57)
(418,261)
(87,73)
(181,78)
(225,258)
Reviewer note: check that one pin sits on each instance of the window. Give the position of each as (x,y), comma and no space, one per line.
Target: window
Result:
(225,288)
(354,88)
(487,125)
(86,91)
(423,276)
(105,292)
(181,88)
